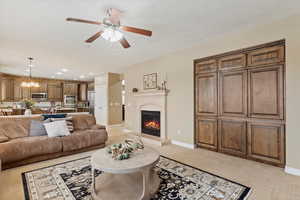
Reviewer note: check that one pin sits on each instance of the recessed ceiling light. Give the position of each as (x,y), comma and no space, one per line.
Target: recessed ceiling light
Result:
(52,76)
(64,70)
(91,74)
(59,73)
(82,76)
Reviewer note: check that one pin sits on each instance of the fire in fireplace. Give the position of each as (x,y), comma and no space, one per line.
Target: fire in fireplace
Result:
(150,122)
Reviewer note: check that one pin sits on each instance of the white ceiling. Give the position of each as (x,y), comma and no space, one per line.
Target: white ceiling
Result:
(38,28)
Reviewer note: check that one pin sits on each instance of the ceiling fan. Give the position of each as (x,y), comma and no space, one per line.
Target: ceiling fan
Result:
(112,28)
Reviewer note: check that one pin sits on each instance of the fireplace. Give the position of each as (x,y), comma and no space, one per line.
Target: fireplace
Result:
(150,122)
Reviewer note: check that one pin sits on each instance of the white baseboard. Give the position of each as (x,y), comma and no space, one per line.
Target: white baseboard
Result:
(183,144)
(293,171)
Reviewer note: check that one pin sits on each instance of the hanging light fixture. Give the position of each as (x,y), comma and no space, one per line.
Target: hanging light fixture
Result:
(29,83)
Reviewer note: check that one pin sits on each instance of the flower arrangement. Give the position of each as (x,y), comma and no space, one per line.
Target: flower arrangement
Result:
(28,103)
(123,150)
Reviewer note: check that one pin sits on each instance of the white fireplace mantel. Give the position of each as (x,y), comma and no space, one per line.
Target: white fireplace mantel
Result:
(154,100)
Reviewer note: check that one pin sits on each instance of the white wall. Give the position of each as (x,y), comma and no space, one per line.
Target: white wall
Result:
(179,69)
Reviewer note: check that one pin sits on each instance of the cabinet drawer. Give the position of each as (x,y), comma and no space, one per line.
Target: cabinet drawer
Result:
(232,62)
(206,66)
(265,56)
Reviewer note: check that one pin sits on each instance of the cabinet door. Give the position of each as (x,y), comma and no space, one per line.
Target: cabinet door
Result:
(26,94)
(83,92)
(70,89)
(265,56)
(17,90)
(206,94)
(266,92)
(232,137)
(206,131)
(55,91)
(206,66)
(232,62)
(233,93)
(266,142)
(7,89)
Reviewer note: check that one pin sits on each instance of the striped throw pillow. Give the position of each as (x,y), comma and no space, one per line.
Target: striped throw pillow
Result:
(68,120)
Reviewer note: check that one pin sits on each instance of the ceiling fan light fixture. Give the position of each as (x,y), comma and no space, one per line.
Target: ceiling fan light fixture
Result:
(112,35)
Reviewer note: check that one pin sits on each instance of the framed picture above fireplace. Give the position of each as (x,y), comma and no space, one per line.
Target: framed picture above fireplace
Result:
(150,81)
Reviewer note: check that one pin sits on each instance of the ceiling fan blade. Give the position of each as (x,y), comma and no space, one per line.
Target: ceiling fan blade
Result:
(94,37)
(83,21)
(124,43)
(136,30)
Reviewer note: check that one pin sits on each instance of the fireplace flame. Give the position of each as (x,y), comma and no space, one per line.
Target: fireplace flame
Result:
(152,124)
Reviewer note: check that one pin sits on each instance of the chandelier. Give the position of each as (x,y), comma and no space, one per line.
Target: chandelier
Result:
(29,83)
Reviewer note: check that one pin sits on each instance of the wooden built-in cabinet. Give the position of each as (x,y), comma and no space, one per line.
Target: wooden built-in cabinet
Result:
(240,103)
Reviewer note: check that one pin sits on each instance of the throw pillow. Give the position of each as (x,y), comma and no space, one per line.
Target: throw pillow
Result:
(37,128)
(68,120)
(47,116)
(57,128)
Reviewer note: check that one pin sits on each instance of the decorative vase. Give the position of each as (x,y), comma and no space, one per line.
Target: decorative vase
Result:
(27,112)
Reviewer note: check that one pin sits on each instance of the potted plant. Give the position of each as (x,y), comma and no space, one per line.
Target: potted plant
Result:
(28,105)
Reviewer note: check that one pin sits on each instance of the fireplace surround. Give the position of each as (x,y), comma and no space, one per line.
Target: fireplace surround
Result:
(155,100)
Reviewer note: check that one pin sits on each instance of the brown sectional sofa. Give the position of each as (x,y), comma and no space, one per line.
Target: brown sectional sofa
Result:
(18,148)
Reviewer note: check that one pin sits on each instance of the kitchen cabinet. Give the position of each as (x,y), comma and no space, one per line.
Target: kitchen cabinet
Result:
(82,95)
(7,89)
(70,89)
(18,90)
(42,88)
(55,91)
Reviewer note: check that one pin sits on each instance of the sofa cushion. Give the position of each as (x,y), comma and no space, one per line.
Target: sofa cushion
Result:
(22,148)
(83,139)
(83,122)
(16,127)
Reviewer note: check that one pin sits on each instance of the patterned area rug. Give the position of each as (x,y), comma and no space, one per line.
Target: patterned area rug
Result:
(72,181)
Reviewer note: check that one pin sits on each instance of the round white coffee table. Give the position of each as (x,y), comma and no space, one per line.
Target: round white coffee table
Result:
(130,179)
